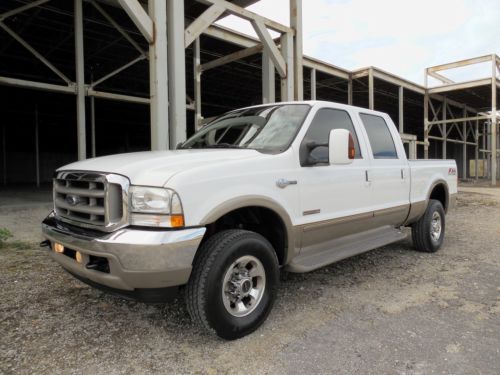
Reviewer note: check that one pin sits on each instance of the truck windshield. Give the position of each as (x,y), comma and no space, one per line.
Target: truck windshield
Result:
(269,129)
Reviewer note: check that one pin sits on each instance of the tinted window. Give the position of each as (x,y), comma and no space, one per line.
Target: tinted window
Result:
(380,137)
(319,132)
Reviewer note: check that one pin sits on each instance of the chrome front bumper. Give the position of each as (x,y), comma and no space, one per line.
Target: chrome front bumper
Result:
(138,259)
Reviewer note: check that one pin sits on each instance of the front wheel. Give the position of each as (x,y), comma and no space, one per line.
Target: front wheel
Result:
(428,231)
(233,283)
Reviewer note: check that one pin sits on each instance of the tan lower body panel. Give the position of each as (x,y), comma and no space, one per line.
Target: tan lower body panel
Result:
(318,237)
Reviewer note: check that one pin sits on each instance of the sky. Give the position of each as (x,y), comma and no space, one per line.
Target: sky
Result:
(400,36)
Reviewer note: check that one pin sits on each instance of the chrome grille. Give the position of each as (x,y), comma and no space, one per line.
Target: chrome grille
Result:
(91,200)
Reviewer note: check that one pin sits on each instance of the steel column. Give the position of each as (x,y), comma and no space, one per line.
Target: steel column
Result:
(177,72)
(476,151)
(313,84)
(37,149)
(197,83)
(444,131)
(4,156)
(268,79)
(80,82)
(371,90)
(92,120)
(349,90)
(158,76)
(493,122)
(296,24)
(401,109)
(464,147)
(287,83)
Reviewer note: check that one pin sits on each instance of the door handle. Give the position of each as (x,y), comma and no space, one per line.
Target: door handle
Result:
(283,183)
(367,177)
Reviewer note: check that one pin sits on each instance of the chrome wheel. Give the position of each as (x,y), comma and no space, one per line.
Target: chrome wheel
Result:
(436,226)
(243,286)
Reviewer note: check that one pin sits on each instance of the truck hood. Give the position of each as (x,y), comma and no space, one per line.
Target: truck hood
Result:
(155,168)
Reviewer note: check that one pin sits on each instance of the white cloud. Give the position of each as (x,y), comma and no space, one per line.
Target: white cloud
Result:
(402,37)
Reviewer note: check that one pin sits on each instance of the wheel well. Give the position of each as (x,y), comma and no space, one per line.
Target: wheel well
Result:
(440,193)
(257,219)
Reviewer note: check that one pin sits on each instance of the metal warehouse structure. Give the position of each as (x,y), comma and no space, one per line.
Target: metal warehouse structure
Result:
(139,75)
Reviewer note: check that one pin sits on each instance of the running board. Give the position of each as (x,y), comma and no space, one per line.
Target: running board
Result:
(346,247)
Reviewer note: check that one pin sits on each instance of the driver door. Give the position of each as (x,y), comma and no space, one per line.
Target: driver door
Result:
(335,199)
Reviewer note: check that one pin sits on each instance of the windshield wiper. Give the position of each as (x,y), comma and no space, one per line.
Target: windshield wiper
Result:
(223,145)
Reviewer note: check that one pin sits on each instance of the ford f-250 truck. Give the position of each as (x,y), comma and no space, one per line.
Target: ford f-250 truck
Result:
(293,186)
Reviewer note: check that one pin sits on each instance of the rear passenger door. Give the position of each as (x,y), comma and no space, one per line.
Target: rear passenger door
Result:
(388,174)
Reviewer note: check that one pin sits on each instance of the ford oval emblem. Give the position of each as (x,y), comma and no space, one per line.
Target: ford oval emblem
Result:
(72,200)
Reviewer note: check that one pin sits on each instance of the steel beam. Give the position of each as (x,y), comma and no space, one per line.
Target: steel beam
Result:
(80,82)
(461,63)
(270,47)
(118,28)
(388,77)
(248,15)
(440,77)
(458,141)
(199,25)
(287,84)
(158,77)
(14,82)
(235,56)
(268,79)
(35,53)
(296,24)
(140,18)
(116,71)
(231,36)
(458,120)
(177,72)
(21,9)
(321,66)
(117,97)
(460,86)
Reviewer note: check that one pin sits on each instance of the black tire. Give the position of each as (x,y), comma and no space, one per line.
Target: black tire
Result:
(422,233)
(204,291)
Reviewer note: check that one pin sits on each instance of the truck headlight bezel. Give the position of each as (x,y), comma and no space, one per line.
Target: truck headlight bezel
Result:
(155,207)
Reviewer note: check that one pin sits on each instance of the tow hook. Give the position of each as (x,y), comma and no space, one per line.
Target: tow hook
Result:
(45,243)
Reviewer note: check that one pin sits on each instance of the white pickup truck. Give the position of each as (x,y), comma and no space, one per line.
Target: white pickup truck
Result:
(293,186)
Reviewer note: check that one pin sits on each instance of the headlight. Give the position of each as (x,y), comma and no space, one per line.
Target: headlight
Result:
(155,207)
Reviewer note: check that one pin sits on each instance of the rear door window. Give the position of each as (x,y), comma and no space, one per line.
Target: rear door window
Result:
(380,137)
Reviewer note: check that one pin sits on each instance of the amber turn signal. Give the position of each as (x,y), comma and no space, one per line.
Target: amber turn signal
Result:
(177,221)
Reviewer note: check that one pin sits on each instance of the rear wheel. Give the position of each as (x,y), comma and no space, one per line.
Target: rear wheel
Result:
(233,284)
(428,231)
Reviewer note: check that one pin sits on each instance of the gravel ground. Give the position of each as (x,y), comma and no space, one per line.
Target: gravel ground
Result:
(390,311)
